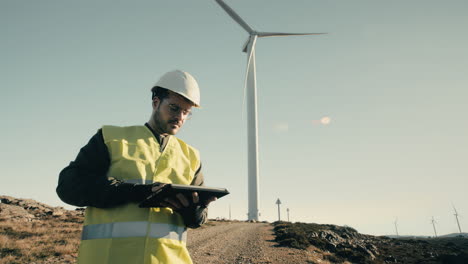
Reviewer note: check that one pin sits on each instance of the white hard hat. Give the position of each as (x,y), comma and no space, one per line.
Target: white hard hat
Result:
(182,83)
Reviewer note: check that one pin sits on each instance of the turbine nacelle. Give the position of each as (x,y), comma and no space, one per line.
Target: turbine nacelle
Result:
(252,37)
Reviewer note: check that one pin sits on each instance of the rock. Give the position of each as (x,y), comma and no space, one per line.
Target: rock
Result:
(57,213)
(27,210)
(5,200)
(14,213)
(390,259)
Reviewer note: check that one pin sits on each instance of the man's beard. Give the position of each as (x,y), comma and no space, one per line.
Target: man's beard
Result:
(162,125)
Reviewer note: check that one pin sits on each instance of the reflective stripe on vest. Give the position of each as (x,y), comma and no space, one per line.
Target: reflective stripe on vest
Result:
(134,229)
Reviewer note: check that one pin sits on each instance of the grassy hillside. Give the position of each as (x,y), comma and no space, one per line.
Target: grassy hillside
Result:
(347,245)
(32,232)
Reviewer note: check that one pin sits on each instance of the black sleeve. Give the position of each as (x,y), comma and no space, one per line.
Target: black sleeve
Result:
(84,182)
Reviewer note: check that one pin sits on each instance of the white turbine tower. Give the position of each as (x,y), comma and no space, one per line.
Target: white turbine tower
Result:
(250,86)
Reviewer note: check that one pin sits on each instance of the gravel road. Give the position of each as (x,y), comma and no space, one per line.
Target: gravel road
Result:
(241,243)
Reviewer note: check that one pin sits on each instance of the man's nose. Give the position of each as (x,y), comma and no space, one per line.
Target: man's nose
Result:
(180,115)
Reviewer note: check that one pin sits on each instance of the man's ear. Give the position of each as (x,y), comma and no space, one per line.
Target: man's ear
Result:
(156,102)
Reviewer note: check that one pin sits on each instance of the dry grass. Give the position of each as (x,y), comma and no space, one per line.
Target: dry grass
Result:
(41,241)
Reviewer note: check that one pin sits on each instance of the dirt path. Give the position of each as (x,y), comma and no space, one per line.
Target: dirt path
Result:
(241,243)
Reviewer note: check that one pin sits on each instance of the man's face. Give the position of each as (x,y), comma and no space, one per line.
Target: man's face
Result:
(170,114)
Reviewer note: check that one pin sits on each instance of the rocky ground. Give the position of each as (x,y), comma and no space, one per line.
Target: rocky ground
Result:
(347,245)
(32,232)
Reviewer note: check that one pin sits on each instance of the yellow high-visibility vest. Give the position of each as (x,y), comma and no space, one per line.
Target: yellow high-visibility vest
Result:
(128,234)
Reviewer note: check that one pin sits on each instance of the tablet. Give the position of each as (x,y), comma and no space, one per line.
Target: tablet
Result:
(170,190)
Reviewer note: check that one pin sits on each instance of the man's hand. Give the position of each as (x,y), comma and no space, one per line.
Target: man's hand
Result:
(205,203)
(209,200)
(180,201)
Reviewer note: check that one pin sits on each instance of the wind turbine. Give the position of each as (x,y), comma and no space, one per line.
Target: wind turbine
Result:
(396,227)
(456,217)
(433,225)
(250,86)
(278,202)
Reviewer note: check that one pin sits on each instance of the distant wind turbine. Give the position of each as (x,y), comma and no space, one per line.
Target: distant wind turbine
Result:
(250,86)
(278,202)
(433,225)
(396,226)
(456,217)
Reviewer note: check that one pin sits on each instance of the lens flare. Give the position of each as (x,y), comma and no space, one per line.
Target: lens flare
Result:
(325,120)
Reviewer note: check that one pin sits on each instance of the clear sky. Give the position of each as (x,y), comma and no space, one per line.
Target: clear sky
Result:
(391,76)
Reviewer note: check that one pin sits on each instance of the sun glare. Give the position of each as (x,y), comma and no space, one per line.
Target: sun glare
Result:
(325,120)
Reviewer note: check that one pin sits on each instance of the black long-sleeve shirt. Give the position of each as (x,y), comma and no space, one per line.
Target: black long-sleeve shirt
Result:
(85,183)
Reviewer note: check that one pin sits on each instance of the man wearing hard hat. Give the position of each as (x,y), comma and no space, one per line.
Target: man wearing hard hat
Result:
(121,166)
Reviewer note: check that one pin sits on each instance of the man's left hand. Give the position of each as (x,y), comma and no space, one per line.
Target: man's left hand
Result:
(180,201)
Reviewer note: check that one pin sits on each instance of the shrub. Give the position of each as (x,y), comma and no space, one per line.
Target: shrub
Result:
(290,235)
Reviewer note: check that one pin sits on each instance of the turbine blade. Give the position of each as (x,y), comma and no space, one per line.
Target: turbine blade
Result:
(244,48)
(252,40)
(235,16)
(282,34)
